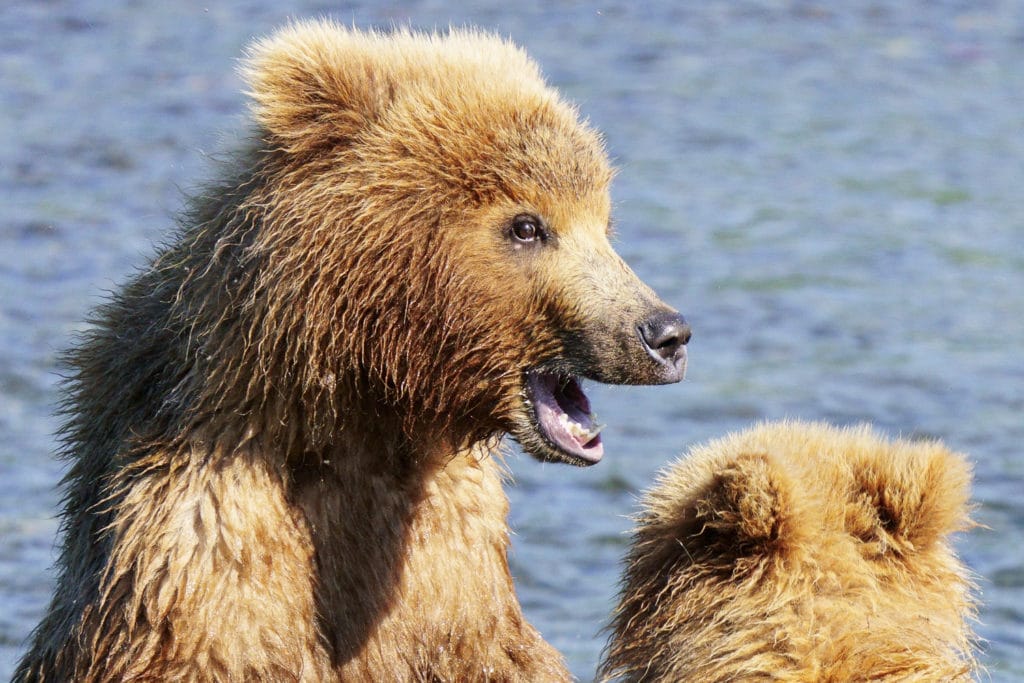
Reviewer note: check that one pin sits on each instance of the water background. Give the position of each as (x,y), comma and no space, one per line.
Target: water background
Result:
(831,192)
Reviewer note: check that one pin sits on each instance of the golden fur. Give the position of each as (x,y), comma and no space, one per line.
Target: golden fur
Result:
(282,430)
(799,552)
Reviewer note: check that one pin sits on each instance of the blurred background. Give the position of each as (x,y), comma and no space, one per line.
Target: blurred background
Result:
(831,192)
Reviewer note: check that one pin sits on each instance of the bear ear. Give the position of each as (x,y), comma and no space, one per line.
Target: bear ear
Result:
(907,496)
(750,507)
(317,83)
(747,506)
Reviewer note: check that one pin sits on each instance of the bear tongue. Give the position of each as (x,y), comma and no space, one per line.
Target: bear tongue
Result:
(563,412)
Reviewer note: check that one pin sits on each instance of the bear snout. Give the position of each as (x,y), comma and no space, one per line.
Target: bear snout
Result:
(664,336)
(634,347)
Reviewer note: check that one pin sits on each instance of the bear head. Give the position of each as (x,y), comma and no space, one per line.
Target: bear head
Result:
(426,234)
(799,552)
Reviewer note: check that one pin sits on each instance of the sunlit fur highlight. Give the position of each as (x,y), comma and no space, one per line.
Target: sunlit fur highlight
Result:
(799,552)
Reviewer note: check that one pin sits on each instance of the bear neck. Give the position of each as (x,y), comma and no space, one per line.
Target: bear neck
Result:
(409,560)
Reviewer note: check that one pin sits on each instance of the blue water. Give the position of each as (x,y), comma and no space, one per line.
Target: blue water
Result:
(830,191)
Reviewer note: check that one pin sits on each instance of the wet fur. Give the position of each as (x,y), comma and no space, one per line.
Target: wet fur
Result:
(282,432)
(799,552)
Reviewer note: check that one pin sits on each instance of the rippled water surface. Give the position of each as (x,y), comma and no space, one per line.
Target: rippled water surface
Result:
(830,191)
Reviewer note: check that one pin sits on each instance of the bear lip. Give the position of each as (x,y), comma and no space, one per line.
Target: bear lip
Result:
(563,417)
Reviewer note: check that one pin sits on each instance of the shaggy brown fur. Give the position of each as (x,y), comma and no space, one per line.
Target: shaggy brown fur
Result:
(281,431)
(799,552)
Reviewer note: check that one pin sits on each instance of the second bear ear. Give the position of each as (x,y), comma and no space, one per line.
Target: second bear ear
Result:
(906,497)
(726,511)
(316,83)
(750,508)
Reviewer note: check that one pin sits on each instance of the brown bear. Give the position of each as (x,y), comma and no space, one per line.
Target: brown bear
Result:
(799,552)
(282,431)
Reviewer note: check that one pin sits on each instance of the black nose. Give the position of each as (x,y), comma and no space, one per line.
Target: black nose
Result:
(665,335)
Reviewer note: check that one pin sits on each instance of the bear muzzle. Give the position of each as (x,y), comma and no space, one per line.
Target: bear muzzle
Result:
(630,348)
(557,423)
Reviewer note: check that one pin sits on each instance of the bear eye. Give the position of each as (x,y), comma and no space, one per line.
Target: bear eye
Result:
(527,228)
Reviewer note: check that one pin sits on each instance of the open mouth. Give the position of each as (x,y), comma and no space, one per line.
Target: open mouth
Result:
(562,417)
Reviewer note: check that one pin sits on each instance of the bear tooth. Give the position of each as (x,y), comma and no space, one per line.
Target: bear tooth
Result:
(585,435)
(577,430)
